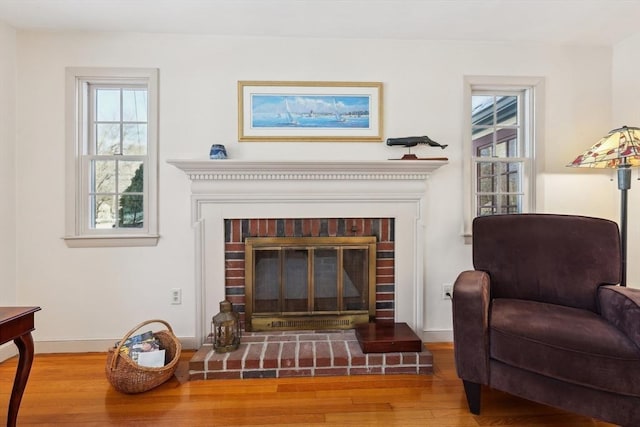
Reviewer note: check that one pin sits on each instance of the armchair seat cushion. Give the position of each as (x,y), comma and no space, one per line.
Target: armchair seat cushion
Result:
(565,343)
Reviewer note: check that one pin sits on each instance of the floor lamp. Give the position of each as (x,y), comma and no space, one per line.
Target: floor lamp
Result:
(619,149)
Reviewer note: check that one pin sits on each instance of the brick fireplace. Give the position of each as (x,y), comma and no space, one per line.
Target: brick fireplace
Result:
(381,230)
(313,190)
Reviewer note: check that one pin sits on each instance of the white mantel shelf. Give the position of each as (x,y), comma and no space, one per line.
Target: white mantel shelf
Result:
(233,169)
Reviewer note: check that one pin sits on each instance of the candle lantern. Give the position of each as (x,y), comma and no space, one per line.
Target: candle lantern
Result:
(226,329)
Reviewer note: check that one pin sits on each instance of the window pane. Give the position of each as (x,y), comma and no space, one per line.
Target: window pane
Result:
(104,212)
(486,185)
(131,211)
(486,151)
(131,178)
(513,146)
(513,183)
(506,143)
(103,176)
(134,105)
(486,168)
(507,110)
(107,138)
(502,182)
(482,108)
(513,203)
(486,205)
(134,139)
(483,142)
(108,105)
(325,279)
(501,149)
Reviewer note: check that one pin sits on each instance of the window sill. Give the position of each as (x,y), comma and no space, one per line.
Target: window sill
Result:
(468,238)
(111,241)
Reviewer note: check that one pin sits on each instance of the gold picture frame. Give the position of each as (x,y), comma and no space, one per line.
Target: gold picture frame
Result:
(309,111)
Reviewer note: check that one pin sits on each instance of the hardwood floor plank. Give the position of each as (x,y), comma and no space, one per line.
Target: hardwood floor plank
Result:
(72,389)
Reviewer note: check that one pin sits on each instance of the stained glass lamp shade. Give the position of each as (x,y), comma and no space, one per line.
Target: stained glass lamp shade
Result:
(619,149)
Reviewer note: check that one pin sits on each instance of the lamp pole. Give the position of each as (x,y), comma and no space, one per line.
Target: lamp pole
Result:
(624,184)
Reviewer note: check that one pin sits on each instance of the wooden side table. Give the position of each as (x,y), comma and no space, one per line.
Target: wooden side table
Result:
(16,323)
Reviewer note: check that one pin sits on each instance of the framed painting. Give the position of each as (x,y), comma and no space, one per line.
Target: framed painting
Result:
(309,111)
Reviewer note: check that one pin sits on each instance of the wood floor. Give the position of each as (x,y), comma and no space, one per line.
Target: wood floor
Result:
(71,389)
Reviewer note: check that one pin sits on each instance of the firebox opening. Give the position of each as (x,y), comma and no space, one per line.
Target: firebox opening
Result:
(309,282)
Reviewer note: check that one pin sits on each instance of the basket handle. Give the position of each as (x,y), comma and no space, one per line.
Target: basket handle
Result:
(126,337)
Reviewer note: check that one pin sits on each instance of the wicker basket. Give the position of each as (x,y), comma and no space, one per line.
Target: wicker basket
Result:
(126,376)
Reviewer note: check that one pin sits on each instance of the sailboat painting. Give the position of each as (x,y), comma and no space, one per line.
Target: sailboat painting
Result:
(309,111)
(314,111)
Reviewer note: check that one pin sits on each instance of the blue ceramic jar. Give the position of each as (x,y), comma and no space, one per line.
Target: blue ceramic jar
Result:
(218,152)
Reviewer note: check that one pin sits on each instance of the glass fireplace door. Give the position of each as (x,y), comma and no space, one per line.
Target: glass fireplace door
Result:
(309,278)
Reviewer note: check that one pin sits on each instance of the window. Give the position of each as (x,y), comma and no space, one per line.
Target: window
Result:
(499,152)
(112,132)
(501,129)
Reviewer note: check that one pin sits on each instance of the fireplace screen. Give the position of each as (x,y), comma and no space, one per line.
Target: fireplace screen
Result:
(309,282)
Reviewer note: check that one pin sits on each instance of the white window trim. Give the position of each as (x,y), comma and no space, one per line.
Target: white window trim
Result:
(535,85)
(76,79)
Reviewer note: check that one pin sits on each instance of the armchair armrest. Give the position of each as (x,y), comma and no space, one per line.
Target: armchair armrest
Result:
(621,307)
(471,298)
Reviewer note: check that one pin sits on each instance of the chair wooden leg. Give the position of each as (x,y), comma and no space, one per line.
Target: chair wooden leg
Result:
(472,390)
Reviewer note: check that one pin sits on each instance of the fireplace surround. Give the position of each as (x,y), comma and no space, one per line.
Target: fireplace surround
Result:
(224,189)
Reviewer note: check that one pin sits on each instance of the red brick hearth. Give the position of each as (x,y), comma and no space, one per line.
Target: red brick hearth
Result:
(303,353)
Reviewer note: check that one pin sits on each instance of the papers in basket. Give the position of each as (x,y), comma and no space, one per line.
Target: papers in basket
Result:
(151,359)
(144,349)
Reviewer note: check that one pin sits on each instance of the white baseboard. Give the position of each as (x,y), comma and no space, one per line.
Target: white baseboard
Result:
(437,335)
(79,346)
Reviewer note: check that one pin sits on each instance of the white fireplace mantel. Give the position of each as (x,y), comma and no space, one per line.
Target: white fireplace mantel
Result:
(307,169)
(232,188)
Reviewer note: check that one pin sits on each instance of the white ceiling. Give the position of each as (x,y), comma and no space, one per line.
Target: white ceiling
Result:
(584,22)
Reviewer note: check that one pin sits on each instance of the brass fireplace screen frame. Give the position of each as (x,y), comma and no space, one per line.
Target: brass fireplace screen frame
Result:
(342,318)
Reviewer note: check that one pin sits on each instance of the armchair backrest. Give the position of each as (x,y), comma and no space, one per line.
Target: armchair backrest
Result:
(559,259)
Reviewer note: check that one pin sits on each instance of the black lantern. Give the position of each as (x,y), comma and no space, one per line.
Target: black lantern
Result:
(226,329)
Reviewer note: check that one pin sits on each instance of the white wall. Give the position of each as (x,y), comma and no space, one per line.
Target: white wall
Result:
(93,294)
(626,111)
(7,165)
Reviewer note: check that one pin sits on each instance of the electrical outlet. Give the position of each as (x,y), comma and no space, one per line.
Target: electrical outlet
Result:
(176,296)
(447,291)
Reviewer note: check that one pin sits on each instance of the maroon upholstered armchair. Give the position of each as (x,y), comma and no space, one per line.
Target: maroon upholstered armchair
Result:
(541,316)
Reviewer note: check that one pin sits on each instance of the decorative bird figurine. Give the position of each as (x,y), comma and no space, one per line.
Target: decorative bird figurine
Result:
(412,141)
